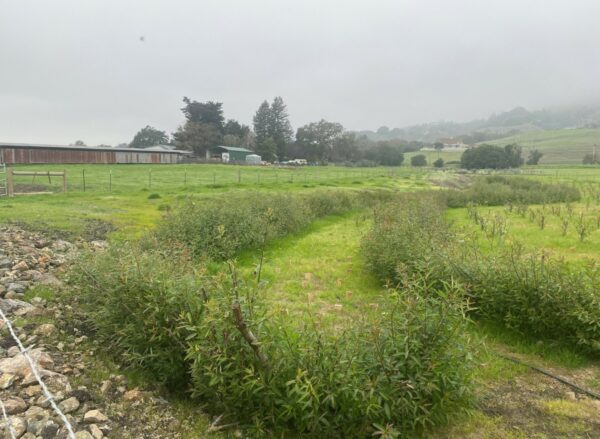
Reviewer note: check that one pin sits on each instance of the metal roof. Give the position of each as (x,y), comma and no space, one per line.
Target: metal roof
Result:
(159,148)
(89,148)
(232,148)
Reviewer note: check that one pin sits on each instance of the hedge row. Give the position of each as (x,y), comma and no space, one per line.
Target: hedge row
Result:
(528,292)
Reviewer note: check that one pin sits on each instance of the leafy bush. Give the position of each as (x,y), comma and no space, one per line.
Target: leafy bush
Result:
(405,234)
(135,300)
(498,190)
(491,157)
(418,160)
(219,230)
(536,295)
(534,157)
(401,367)
(439,163)
(408,366)
(533,294)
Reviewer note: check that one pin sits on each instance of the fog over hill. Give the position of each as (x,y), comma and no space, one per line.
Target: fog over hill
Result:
(518,120)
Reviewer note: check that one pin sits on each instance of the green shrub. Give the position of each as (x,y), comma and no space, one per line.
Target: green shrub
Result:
(219,230)
(491,157)
(533,294)
(499,190)
(406,235)
(153,196)
(408,366)
(135,300)
(536,295)
(405,365)
(418,160)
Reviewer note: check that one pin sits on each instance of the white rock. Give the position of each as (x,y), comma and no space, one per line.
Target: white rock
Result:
(45,329)
(7,380)
(9,306)
(35,413)
(14,404)
(18,365)
(12,351)
(69,405)
(96,432)
(19,426)
(94,417)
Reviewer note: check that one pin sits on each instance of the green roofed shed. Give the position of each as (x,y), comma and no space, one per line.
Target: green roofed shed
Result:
(235,154)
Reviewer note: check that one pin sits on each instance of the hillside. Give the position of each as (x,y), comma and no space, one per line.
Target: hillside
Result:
(513,122)
(567,146)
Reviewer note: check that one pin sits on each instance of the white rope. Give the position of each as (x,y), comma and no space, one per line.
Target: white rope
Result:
(49,396)
(13,433)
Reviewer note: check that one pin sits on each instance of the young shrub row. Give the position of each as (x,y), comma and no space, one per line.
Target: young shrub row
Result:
(220,229)
(498,190)
(405,368)
(135,301)
(408,233)
(399,368)
(530,293)
(536,295)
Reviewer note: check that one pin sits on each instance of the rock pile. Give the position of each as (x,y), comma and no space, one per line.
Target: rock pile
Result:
(27,259)
(97,404)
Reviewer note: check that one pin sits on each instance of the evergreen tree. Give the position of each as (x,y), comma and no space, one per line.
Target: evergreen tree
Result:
(280,128)
(267,149)
(261,121)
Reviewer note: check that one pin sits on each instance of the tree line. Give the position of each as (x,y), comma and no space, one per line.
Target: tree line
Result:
(273,138)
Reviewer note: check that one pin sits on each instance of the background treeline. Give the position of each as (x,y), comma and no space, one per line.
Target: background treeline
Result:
(273,138)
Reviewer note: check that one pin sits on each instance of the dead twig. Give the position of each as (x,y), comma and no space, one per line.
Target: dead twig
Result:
(240,323)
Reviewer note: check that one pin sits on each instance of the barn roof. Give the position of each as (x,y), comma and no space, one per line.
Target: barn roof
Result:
(232,148)
(89,148)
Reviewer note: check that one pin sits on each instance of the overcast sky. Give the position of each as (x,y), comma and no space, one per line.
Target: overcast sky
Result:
(78,69)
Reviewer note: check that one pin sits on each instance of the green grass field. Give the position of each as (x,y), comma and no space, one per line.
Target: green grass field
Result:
(321,270)
(558,146)
(133,197)
(526,230)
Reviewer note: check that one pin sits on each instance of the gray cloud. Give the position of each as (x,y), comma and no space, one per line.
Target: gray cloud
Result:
(77,69)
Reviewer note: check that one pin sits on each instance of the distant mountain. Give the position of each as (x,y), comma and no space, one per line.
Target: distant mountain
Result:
(509,123)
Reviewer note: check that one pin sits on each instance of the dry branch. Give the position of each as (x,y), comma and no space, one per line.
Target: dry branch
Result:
(240,323)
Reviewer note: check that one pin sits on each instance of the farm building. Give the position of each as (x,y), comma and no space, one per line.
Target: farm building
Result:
(25,153)
(229,154)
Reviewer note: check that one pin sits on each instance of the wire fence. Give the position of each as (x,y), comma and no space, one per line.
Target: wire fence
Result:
(11,430)
(36,374)
(105,178)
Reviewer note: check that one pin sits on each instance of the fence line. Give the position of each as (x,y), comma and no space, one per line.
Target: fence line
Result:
(158,178)
(36,374)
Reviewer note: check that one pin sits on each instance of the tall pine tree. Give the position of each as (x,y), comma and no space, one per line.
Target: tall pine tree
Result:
(281,129)
(272,126)
(262,122)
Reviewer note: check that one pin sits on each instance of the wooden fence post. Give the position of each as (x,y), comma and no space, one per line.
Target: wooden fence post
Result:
(65,181)
(10,183)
